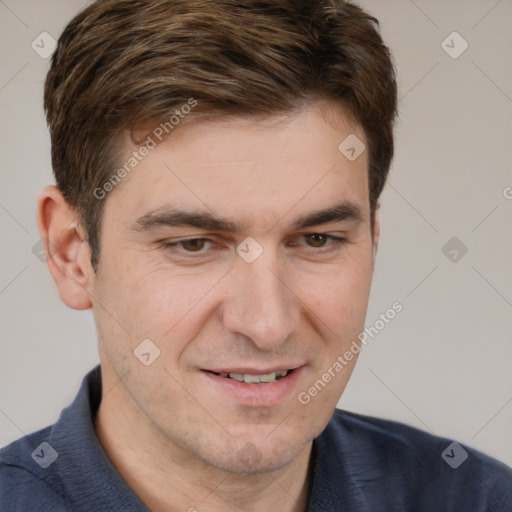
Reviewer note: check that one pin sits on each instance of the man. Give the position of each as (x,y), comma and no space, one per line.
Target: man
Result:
(219,167)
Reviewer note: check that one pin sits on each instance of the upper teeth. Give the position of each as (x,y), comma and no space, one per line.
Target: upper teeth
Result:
(254,379)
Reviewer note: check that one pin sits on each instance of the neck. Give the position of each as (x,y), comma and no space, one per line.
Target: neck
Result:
(167,478)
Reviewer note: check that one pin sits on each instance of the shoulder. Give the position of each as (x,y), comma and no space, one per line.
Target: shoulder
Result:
(394,437)
(404,457)
(26,475)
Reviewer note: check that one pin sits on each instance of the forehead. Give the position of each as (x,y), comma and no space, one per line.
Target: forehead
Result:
(258,169)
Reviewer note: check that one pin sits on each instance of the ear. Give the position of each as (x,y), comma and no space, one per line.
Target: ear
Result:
(66,247)
(376,233)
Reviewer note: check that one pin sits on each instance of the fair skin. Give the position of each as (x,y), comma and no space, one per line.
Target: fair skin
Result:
(182,434)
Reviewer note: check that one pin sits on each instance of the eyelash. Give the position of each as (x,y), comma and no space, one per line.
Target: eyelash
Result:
(335,244)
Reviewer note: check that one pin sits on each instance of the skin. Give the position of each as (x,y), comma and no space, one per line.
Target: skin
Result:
(177,438)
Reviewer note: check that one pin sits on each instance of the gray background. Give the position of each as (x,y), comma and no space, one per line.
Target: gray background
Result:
(444,363)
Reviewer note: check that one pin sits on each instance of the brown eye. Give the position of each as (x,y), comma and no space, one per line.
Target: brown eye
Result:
(189,248)
(321,243)
(316,240)
(194,244)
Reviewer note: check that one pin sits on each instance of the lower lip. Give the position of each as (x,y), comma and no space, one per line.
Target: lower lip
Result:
(257,395)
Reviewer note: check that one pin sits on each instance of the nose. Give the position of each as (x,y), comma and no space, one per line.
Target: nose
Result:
(260,304)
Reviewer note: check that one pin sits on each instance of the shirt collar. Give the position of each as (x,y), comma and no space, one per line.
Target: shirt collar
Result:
(82,471)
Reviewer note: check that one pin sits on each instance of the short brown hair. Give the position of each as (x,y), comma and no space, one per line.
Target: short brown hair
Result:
(120,64)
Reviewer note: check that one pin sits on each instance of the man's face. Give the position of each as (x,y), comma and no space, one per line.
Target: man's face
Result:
(218,313)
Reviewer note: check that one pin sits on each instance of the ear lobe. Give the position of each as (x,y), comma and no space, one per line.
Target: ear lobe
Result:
(67,250)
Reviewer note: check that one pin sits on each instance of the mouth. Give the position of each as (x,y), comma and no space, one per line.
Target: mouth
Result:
(252,378)
(256,387)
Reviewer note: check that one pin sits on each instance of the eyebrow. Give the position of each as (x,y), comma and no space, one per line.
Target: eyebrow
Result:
(175,217)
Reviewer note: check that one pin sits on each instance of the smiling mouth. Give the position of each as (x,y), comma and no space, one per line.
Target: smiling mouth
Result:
(249,378)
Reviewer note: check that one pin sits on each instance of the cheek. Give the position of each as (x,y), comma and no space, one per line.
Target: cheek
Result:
(155,302)
(339,297)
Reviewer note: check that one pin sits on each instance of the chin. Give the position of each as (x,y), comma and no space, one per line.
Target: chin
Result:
(242,456)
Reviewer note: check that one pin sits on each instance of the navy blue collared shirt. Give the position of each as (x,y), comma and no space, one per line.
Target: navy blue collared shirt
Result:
(360,463)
